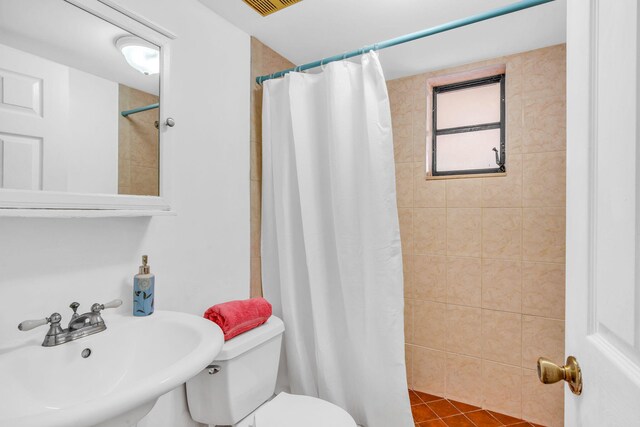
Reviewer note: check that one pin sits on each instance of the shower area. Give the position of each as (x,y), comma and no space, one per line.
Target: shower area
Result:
(484,257)
(483,254)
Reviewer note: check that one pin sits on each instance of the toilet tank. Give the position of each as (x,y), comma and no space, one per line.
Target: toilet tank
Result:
(243,378)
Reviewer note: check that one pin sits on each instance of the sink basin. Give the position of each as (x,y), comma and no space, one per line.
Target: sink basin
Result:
(132,363)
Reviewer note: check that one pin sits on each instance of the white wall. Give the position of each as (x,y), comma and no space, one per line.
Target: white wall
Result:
(92,147)
(201,256)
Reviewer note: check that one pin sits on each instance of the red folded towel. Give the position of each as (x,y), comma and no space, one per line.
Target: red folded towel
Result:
(236,317)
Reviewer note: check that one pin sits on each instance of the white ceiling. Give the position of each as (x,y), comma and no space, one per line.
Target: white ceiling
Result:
(61,32)
(314,29)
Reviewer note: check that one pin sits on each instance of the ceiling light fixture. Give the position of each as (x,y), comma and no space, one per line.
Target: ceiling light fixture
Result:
(141,55)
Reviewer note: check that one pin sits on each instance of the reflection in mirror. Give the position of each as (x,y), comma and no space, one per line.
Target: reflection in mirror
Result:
(79,102)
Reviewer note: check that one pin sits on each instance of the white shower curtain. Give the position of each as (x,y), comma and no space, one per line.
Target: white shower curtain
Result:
(331,257)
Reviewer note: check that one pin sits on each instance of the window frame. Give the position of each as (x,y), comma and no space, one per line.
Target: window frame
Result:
(496,78)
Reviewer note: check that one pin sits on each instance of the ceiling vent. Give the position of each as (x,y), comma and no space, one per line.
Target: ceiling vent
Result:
(267,7)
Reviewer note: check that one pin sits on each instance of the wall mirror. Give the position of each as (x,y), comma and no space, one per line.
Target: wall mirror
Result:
(82,93)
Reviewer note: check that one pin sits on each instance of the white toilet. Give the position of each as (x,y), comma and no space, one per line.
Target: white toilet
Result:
(233,390)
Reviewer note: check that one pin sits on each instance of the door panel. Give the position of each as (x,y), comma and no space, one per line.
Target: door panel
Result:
(20,92)
(20,162)
(34,122)
(603,246)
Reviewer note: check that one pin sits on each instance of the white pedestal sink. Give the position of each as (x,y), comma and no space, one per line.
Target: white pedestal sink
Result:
(132,363)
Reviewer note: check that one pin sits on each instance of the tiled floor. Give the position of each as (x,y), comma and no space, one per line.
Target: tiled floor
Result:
(435,411)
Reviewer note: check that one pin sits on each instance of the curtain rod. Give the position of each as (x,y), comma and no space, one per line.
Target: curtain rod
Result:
(505,10)
(125,113)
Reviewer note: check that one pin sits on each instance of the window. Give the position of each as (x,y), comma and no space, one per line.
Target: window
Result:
(468,127)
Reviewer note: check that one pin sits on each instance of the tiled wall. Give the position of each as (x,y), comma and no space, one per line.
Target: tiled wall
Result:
(138,156)
(263,61)
(484,257)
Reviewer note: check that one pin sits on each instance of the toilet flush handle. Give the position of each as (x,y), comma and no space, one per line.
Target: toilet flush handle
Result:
(213,369)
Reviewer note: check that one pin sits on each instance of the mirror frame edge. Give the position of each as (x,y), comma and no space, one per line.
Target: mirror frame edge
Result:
(30,203)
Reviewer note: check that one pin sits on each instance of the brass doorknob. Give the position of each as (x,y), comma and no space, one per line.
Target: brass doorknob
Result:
(549,373)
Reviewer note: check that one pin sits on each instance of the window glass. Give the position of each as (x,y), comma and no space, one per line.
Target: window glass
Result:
(472,106)
(468,151)
(469,135)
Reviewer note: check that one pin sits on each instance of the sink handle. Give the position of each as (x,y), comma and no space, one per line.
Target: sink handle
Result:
(27,325)
(97,308)
(112,304)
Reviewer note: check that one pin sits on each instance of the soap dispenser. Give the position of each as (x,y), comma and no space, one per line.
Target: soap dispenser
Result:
(143,290)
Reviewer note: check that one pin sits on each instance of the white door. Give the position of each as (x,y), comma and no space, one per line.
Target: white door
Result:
(34,96)
(603,212)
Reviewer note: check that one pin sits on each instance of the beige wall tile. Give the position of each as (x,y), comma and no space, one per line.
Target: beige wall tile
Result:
(542,403)
(502,233)
(464,231)
(401,122)
(428,370)
(430,277)
(408,360)
(427,193)
(514,119)
(419,85)
(502,285)
(502,337)
(255,219)
(408,321)
(464,330)
(541,337)
(464,281)
(464,193)
(405,216)
(544,72)
(420,129)
(504,191)
(256,160)
(403,142)
(544,234)
(544,124)
(255,133)
(430,231)
(514,75)
(514,126)
(543,289)
(544,179)
(124,174)
(256,279)
(404,184)
(429,324)
(502,388)
(463,379)
(408,279)
(144,181)
(400,99)
(143,145)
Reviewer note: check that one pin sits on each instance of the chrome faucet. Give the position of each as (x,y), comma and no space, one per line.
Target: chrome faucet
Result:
(81,325)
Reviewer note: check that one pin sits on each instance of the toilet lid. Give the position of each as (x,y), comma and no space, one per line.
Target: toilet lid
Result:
(289,410)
